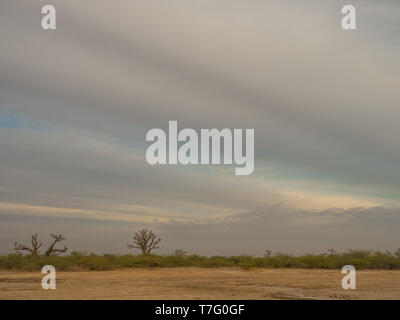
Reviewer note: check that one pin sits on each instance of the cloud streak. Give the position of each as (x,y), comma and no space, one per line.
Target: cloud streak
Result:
(76,103)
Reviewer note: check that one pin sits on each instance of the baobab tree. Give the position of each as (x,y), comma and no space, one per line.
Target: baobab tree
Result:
(36,245)
(145,240)
(267,253)
(180,253)
(51,249)
(332,252)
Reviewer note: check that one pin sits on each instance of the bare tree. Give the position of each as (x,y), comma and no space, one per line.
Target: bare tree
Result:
(51,249)
(36,245)
(332,252)
(180,253)
(267,253)
(145,240)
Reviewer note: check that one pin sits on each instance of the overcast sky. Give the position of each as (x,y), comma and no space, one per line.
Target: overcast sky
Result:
(76,103)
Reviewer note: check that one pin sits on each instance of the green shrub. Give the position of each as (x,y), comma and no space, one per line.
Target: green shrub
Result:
(361,259)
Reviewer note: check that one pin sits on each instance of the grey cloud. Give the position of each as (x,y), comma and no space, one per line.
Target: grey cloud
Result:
(71,170)
(324,102)
(273,85)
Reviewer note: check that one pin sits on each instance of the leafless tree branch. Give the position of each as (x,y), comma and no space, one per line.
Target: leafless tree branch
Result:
(35,246)
(51,249)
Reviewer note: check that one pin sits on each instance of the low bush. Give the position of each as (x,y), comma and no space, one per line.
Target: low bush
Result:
(361,259)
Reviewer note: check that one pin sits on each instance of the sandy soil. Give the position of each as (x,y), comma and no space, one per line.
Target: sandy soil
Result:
(196,283)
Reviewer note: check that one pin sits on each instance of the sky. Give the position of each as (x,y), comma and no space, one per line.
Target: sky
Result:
(76,104)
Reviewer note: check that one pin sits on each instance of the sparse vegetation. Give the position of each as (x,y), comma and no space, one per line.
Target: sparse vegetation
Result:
(147,241)
(361,259)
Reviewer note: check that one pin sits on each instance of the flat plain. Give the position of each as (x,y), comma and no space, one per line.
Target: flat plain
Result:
(201,283)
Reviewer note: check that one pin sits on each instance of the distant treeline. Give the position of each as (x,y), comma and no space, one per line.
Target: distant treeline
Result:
(360,259)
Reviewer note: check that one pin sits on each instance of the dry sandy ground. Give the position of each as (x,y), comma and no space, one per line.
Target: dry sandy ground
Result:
(197,283)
